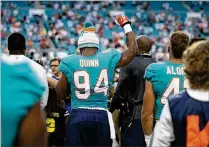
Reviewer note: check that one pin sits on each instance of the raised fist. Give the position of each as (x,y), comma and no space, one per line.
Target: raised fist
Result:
(122,20)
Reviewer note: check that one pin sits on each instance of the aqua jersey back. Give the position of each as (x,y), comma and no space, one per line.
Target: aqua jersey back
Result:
(21,90)
(167,78)
(89,77)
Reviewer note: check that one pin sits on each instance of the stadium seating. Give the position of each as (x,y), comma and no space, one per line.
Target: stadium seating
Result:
(63,18)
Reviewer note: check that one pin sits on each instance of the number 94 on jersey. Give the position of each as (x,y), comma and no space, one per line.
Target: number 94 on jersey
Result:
(82,83)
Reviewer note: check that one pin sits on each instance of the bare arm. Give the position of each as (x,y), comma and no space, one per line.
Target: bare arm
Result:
(148,109)
(164,129)
(130,53)
(62,87)
(33,128)
(111,94)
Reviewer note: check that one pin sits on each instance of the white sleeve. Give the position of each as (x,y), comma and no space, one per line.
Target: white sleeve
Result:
(44,99)
(164,130)
(41,73)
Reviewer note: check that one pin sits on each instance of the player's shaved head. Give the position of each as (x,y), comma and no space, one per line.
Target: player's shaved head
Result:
(16,43)
(144,43)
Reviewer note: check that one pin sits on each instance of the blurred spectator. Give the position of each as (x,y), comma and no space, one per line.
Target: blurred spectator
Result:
(54,64)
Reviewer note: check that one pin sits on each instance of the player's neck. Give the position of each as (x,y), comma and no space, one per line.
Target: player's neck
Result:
(89,52)
(17,52)
(176,60)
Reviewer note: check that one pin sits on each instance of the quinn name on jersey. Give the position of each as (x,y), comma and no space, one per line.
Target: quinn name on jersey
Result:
(89,63)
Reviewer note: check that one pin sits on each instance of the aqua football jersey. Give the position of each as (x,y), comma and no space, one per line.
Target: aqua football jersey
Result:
(167,78)
(90,77)
(20,91)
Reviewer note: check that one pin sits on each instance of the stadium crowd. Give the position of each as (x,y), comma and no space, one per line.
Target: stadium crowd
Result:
(62,23)
(79,94)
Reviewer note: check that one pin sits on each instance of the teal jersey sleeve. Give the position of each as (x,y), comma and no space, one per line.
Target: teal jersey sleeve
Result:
(63,66)
(21,91)
(115,58)
(67,65)
(150,72)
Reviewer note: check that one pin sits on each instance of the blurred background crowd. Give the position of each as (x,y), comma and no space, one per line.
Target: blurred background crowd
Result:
(52,28)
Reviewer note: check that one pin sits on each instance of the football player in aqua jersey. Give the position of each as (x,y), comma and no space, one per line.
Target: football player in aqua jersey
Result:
(162,80)
(23,122)
(185,117)
(87,77)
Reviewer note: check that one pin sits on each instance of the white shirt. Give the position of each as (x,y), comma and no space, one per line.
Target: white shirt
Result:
(38,69)
(164,130)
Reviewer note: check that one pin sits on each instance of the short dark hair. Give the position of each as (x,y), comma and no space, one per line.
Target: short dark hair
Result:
(55,59)
(144,43)
(16,41)
(179,41)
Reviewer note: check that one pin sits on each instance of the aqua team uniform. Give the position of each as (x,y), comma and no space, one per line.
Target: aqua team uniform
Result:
(21,90)
(167,78)
(90,78)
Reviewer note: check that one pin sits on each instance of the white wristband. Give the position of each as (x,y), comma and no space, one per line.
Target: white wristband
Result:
(127,28)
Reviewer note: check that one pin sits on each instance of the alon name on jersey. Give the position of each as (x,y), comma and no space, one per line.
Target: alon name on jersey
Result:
(171,70)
